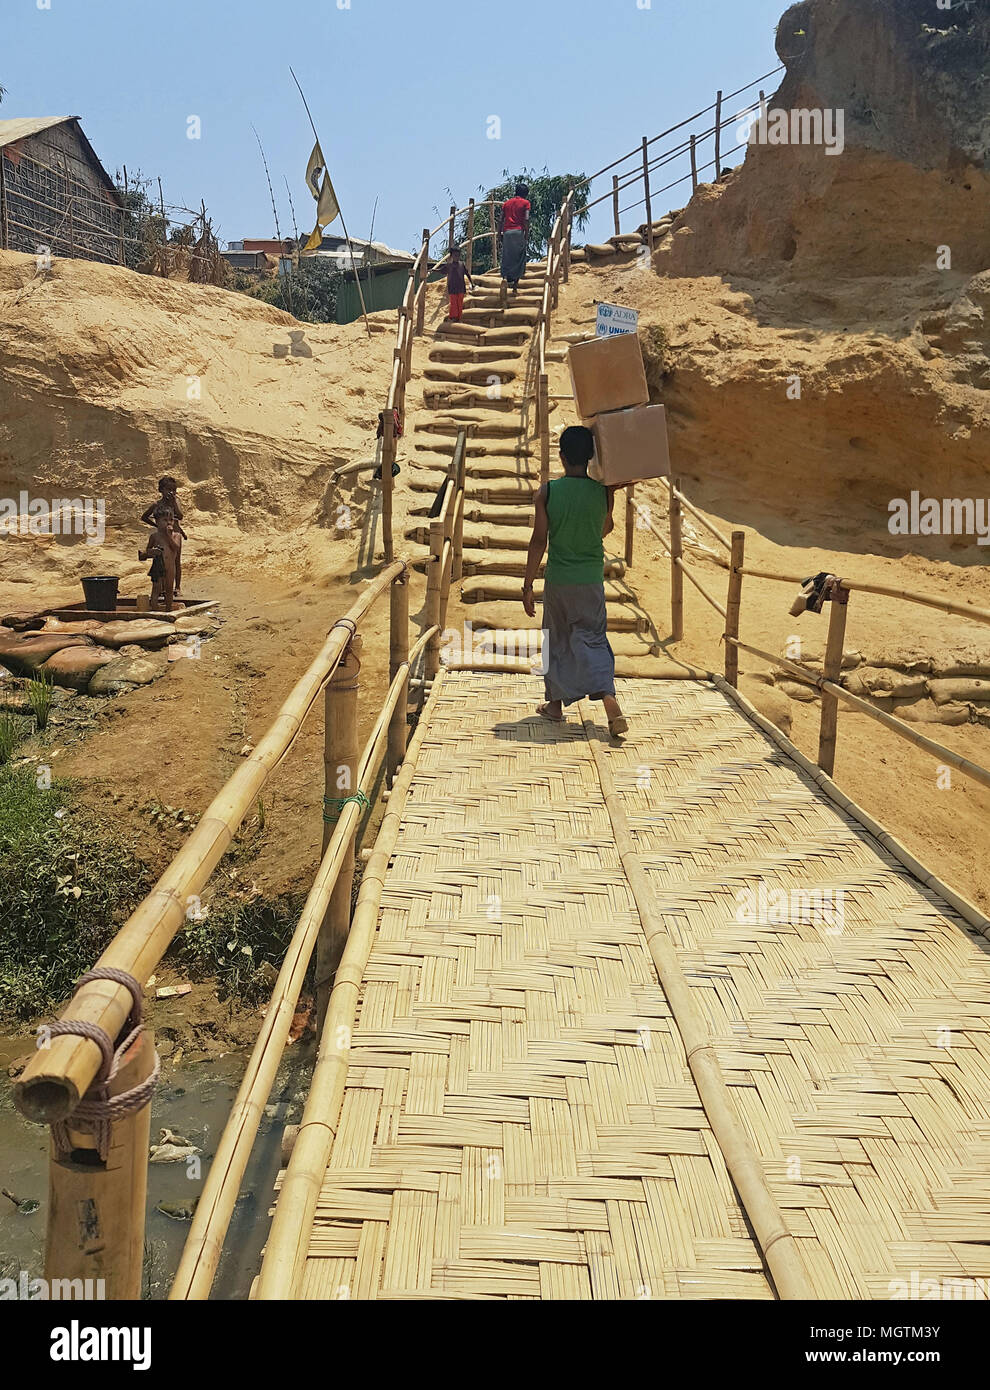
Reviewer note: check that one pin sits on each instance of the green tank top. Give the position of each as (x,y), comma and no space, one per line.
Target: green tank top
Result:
(576,511)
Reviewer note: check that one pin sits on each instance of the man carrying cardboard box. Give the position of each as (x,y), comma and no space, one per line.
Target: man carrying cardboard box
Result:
(573,516)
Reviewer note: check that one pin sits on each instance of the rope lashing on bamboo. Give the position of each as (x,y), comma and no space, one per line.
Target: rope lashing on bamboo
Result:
(97,1111)
(333,806)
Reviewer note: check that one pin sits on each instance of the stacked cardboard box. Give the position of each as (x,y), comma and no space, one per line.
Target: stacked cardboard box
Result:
(611,396)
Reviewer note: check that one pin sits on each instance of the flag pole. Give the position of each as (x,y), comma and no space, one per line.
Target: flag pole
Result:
(347,238)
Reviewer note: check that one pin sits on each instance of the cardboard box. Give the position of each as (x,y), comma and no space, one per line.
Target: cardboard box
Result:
(631,446)
(607,374)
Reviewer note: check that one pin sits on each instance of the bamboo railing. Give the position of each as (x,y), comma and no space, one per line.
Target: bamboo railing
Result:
(411,323)
(828,681)
(66,1067)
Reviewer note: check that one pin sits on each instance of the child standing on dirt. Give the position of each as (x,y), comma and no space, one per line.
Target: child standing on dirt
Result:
(168,502)
(457,280)
(161,550)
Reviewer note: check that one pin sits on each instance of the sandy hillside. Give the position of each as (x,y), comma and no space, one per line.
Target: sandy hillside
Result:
(108,379)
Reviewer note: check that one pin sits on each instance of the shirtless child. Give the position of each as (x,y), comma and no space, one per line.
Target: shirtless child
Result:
(168,488)
(162,550)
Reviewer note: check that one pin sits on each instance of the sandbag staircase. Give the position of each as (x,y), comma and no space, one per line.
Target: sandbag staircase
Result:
(480,376)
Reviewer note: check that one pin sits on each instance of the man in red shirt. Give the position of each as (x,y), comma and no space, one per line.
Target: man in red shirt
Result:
(513,223)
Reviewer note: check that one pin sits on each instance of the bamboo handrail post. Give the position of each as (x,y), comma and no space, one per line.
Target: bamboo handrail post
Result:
(676,578)
(630,523)
(649,200)
(96,1210)
(544,416)
(446,572)
(470,237)
(340,764)
(388,458)
(421,305)
(694,165)
(450,233)
(834,647)
(494,233)
(732,606)
(568,220)
(615,204)
(434,582)
(398,729)
(460,460)
(718,135)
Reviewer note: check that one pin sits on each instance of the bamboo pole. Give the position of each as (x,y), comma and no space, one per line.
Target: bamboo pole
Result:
(630,523)
(450,234)
(285,1254)
(340,772)
(694,165)
(95,1227)
(690,507)
(568,227)
(676,552)
(204,1245)
(646,188)
(615,204)
(718,135)
(398,656)
(388,458)
(960,610)
(732,606)
(434,581)
(421,305)
(937,750)
(544,417)
(766,1218)
(491,209)
(834,647)
(4,233)
(470,236)
(57,1076)
(460,462)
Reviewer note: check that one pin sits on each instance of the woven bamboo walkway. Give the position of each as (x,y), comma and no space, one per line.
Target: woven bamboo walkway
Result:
(520,1120)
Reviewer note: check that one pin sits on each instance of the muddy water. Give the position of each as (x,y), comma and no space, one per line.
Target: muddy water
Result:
(193,1101)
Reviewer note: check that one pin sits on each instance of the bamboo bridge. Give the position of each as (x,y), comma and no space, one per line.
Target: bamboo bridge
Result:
(661,1018)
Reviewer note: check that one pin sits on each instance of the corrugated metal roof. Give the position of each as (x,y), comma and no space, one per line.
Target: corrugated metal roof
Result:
(22,126)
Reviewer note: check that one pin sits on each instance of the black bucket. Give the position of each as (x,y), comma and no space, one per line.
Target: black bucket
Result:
(101,593)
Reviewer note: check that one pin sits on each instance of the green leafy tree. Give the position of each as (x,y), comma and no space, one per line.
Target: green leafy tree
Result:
(309,291)
(546,194)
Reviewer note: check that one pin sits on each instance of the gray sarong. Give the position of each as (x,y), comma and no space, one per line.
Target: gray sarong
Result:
(513,255)
(577,658)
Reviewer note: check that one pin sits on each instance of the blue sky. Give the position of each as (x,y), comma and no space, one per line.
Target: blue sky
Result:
(402,92)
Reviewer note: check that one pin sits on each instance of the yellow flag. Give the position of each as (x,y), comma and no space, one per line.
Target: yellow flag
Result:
(314,171)
(327,209)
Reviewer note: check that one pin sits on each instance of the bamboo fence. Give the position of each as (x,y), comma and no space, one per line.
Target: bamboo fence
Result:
(827,681)
(65,1067)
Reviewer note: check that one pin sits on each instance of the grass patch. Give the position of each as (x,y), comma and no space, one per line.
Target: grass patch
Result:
(67,884)
(65,888)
